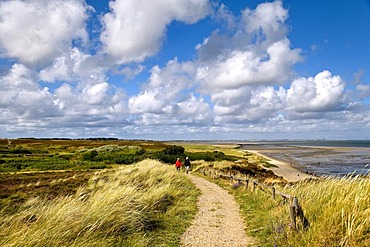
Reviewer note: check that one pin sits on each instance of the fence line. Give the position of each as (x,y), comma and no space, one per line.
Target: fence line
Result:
(295,209)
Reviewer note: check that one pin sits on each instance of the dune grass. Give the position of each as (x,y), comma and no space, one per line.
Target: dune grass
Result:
(338,210)
(147,204)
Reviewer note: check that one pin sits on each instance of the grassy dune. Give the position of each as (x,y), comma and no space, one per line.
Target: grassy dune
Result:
(338,211)
(147,204)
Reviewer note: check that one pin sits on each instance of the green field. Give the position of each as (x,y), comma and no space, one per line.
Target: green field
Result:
(22,155)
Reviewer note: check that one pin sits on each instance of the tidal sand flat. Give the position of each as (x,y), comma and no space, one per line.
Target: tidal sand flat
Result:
(333,158)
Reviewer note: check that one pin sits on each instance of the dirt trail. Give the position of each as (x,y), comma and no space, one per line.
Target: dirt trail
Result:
(218,222)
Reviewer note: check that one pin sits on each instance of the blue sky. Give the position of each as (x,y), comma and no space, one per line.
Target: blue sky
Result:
(182,69)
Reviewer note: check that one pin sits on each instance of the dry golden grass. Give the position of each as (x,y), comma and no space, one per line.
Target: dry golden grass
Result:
(133,206)
(338,210)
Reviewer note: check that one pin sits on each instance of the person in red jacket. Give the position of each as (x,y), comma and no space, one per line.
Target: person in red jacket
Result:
(178,164)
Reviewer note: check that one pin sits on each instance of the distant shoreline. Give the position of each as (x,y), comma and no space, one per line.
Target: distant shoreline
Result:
(335,160)
(289,171)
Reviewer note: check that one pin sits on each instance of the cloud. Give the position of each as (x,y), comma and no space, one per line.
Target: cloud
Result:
(266,23)
(129,71)
(133,31)
(323,92)
(240,68)
(168,98)
(96,94)
(364,90)
(164,88)
(358,76)
(315,48)
(242,73)
(248,105)
(305,98)
(266,102)
(21,98)
(25,106)
(258,51)
(58,71)
(37,31)
(90,96)
(241,82)
(76,66)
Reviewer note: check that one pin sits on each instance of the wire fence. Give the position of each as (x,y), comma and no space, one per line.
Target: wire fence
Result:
(295,209)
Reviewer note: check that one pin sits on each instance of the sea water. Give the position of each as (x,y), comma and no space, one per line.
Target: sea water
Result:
(320,157)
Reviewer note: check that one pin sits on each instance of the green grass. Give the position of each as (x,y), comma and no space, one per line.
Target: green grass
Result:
(148,204)
(47,154)
(267,164)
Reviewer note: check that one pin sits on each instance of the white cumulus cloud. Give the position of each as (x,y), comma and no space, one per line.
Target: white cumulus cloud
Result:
(164,88)
(37,31)
(135,29)
(21,97)
(168,98)
(324,92)
(257,53)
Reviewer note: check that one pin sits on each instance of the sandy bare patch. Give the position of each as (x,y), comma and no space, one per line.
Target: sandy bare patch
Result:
(284,169)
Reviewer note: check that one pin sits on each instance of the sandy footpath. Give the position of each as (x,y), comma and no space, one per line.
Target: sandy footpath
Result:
(284,169)
(218,222)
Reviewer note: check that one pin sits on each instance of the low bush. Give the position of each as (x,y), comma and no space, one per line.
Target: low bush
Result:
(19,150)
(211,156)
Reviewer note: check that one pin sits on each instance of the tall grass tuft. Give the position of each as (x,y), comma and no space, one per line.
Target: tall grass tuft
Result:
(139,205)
(338,210)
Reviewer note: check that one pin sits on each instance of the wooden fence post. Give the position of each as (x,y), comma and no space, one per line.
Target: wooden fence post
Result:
(295,209)
(295,203)
(292,217)
(300,214)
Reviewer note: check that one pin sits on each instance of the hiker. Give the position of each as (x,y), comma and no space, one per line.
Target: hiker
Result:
(178,164)
(187,164)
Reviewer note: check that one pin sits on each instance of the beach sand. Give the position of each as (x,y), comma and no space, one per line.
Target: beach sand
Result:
(284,169)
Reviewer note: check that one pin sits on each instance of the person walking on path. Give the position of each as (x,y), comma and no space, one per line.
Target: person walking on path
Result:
(178,164)
(187,164)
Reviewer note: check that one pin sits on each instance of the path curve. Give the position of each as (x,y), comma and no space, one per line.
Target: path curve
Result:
(218,221)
